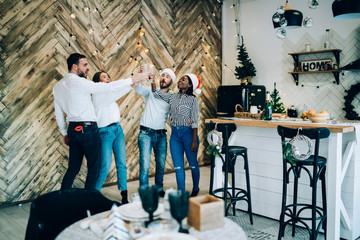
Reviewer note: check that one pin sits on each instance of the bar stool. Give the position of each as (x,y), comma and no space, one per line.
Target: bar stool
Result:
(233,194)
(295,211)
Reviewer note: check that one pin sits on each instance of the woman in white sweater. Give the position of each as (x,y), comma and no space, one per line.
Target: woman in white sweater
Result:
(111,134)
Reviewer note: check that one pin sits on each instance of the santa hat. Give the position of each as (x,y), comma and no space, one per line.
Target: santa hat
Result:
(196,81)
(171,73)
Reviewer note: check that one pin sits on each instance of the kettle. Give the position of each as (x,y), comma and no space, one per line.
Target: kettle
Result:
(292,112)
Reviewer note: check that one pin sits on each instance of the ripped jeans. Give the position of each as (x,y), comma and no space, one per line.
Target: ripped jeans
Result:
(180,142)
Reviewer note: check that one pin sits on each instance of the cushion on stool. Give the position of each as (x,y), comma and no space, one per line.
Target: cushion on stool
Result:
(310,161)
(234,150)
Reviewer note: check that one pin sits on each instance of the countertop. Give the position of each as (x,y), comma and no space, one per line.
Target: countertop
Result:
(342,126)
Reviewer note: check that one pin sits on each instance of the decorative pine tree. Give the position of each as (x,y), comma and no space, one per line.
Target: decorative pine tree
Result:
(278,107)
(246,67)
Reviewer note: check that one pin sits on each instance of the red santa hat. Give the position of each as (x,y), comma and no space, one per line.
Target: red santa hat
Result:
(196,81)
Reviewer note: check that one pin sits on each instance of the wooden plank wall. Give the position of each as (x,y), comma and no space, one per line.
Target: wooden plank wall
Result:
(34,44)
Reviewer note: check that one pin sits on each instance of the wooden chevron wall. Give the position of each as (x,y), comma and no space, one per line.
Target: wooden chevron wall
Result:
(37,36)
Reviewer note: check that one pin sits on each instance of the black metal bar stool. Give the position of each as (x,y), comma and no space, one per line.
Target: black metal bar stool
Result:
(296,211)
(233,194)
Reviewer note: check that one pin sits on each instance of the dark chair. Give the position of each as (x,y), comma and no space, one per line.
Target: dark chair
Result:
(54,211)
(314,166)
(231,153)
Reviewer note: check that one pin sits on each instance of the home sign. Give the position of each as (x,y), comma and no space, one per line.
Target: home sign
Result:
(316,65)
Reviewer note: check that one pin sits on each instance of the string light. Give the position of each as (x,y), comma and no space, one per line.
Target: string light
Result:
(95,10)
(86,9)
(213,13)
(72,15)
(131,58)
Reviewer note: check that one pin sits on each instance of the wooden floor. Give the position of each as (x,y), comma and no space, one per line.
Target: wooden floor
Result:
(13,220)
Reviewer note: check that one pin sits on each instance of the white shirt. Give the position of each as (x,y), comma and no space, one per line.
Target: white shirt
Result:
(72,96)
(106,109)
(156,110)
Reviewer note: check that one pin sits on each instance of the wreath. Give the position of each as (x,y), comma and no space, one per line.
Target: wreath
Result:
(349,108)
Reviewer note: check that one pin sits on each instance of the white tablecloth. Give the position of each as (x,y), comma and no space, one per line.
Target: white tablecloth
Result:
(230,230)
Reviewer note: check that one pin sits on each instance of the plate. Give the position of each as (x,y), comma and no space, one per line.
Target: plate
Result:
(134,210)
(168,236)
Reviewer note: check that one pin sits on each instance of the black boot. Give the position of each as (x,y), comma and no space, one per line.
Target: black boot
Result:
(124,198)
(194,193)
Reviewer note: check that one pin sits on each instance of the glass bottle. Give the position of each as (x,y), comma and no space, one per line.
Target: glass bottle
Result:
(326,42)
(268,107)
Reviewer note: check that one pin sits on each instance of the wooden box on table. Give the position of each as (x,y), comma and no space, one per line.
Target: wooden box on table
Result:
(205,212)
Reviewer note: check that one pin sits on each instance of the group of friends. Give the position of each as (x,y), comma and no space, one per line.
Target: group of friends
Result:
(89,120)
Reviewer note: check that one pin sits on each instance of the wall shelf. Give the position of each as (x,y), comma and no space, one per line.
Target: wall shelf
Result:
(336,73)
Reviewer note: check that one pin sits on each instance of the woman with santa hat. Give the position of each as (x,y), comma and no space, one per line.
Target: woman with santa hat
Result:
(183,118)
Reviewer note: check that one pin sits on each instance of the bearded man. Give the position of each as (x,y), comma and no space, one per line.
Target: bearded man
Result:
(152,134)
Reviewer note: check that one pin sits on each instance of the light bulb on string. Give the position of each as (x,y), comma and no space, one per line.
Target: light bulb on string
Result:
(236,35)
(95,10)
(213,13)
(280,9)
(185,61)
(208,27)
(131,58)
(91,31)
(308,22)
(276,17)
(72,15)
(232,6)
(86,9)
(313,4)
(235,20)
(283,22)
(138,43)
(281,33)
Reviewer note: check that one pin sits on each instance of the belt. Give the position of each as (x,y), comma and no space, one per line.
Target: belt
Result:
(82,123)
(152,130)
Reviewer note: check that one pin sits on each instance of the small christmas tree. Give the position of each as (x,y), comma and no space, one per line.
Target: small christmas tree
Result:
(245,68)
(277,106)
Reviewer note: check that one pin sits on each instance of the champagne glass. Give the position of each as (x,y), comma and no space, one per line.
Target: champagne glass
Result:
(179,207)
(150,200)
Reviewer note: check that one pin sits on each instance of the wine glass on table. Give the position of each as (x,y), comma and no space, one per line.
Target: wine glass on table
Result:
(150,200)
(179,207)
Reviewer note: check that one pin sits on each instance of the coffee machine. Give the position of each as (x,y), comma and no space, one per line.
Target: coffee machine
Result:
(245,95)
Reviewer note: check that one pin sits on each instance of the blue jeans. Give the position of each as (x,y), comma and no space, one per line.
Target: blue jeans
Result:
(84,142)
(180,142)
(147,141)
(112,139)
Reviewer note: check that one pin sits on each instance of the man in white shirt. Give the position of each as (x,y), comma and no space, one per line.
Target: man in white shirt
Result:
(72,96)
(152,130)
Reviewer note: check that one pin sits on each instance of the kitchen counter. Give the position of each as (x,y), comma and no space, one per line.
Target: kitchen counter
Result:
(294,123)
(342,150)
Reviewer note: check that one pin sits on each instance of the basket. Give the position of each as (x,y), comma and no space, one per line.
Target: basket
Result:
(241,112)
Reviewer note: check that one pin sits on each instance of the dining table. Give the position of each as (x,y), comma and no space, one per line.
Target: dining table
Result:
(229,230)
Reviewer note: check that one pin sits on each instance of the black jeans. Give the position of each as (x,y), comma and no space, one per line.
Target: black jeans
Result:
(85,141)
